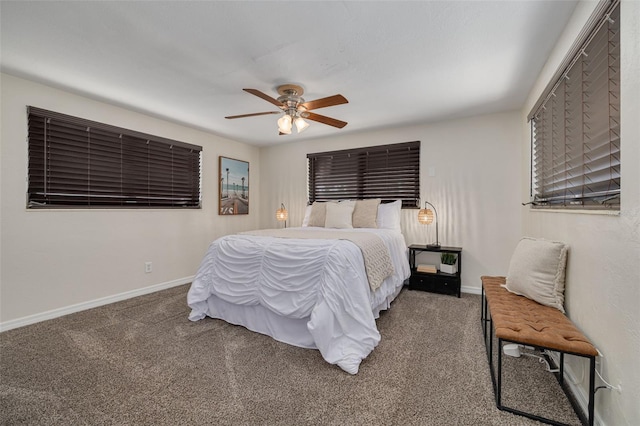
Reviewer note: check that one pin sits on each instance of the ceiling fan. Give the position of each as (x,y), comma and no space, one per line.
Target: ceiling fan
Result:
(296,109)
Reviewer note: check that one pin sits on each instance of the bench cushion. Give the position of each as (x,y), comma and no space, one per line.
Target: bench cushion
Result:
(521,320)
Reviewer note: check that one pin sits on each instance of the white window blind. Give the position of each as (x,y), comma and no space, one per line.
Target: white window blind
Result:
(575,125)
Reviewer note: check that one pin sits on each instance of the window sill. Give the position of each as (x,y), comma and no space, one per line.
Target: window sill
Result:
(571,211)
(110,210)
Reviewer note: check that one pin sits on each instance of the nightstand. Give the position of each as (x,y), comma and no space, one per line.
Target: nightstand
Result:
(439,282)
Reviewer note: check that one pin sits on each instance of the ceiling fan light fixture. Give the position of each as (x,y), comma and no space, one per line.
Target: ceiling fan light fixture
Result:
(284,124)
(301,125)
(296,110)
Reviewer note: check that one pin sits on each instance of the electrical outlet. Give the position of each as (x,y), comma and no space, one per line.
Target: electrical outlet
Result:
(148,267)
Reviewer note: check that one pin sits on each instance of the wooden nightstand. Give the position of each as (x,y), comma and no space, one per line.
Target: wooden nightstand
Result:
(439,282)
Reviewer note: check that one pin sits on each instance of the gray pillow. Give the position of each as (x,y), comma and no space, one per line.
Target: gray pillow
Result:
(365,213)
(537,271)
(318,214)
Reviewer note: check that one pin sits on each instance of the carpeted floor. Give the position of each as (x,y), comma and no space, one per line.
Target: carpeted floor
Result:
(141,361)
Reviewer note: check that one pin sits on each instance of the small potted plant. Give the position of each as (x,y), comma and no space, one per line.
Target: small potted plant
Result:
(448,263)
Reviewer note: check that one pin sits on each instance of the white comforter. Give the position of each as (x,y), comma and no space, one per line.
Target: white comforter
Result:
(322,283)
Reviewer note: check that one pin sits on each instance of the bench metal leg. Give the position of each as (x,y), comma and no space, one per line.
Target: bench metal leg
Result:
(586,416)
(592,391)
(498,394)
(483,315)
(499,387)
(561,368)
(487,330)
(496,379)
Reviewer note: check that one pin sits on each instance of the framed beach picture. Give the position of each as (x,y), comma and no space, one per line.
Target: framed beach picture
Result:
(233,190)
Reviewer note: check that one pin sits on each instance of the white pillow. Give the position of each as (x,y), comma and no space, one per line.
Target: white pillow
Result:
(307,214)
(352,203)
(339,215)
(389,215)
(537,271)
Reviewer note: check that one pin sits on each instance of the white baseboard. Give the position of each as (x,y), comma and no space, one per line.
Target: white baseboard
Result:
(55,313)
(471,290)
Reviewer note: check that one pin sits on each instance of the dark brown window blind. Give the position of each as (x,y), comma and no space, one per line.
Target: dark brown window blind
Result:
(80,163)
(389,172)
(575,126)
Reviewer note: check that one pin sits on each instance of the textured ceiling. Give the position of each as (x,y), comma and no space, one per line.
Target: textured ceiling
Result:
(396,62)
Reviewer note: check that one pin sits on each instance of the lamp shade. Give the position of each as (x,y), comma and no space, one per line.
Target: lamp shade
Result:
(282,213)
(301,125)
(284,124)
(425,216)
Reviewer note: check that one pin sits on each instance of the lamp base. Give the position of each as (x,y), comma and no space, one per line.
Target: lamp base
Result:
(434,245)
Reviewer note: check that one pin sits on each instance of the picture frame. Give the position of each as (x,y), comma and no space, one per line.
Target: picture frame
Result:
(233,186)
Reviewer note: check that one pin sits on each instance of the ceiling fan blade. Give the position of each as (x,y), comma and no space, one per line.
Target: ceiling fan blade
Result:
(325,102)
(254,114)
(264,96)
(325,120)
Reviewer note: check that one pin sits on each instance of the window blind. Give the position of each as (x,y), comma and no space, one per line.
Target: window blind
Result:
(575,126)
(389,172)
(80,163)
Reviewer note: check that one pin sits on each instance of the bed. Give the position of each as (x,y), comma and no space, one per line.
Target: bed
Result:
(310,287)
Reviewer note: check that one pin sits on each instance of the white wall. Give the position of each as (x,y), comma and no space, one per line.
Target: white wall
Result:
(603,275)
(53,259)
(475,189)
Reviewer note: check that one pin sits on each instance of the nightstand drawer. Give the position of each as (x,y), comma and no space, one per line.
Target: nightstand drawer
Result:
(435,283)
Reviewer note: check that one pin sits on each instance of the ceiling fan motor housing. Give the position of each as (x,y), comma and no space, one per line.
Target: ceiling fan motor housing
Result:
(291,99)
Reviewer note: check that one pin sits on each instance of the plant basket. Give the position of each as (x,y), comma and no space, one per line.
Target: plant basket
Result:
(448,269)
(448,263)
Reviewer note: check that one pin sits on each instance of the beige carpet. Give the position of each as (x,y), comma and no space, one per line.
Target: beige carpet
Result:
(142,361)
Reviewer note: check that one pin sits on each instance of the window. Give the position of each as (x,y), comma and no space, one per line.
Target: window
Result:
(389,172)
(80,163)
(575,125)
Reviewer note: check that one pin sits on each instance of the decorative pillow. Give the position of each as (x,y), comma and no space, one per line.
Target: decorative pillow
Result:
(365,213)
(389,215)
(352,202)
(537,271)
(318,214)
(307,215)
(339,215)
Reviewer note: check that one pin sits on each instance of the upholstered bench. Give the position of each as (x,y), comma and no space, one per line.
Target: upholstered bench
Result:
(517,319)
